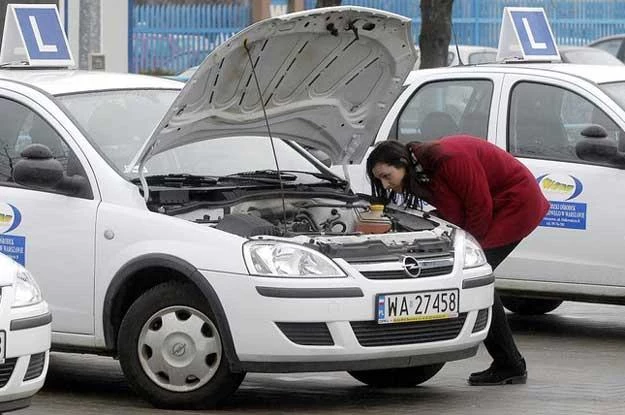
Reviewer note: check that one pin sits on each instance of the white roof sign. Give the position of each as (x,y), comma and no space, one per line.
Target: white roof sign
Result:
(33,34)
(525,34)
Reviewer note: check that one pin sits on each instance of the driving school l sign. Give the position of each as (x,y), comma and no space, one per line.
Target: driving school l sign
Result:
(33,34)
(526,34)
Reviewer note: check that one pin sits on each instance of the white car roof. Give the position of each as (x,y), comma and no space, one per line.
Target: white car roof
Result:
(597,74)
(58,82)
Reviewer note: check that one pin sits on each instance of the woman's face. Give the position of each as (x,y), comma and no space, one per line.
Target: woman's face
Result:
(391,177)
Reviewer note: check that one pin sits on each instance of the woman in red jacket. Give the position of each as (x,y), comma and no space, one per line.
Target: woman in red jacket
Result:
(485,191)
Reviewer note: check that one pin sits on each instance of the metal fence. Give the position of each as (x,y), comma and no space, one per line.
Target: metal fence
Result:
(170,38)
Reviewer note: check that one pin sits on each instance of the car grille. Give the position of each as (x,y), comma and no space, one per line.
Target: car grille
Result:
(396,275)
(393,270)
(307,334)
(371,334)
(35,366)
(481,320)
(6,369)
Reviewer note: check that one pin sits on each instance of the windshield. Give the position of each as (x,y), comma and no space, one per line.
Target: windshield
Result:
(119,121)
(224,156)
(616,91)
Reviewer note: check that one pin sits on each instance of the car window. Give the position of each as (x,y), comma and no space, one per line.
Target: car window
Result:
(610,46)
(546,122)
(118,122)
(19,127)
(589,56)
(446,108)
(222,156)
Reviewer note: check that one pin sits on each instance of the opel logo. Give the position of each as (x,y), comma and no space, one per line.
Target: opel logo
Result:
(179,349)
(412,267)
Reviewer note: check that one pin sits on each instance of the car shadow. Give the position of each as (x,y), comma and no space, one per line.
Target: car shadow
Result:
(572,326)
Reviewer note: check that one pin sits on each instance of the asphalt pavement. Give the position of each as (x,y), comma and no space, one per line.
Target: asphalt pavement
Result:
(575,357)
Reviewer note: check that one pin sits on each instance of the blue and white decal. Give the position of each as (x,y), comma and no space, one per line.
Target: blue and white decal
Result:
(34,34)
(560,190)
(13,246)
(526,34)
(381,308)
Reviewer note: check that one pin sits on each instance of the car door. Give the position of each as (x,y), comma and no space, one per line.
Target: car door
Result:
(51,233)
(438,104)
(580,239)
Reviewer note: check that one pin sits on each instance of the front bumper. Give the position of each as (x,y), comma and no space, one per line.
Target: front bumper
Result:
(24,369)
(288,325)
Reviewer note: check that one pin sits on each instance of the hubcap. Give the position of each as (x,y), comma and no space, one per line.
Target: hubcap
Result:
(179,348)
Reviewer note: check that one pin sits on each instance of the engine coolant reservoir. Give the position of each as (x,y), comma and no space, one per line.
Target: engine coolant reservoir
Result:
(373,220)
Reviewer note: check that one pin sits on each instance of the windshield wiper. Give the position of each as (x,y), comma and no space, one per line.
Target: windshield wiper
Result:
(328,177)
(289,175)
(178,180)
(264,174)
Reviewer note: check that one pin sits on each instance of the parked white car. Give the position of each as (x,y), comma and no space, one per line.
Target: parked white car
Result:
(468,55)
(24,332)
(539,113)
(191,258)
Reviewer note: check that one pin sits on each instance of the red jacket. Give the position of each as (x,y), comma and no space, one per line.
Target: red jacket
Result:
(484,190)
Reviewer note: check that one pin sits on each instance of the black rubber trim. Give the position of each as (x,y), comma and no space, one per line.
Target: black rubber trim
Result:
(31,322)
(478,281)
(177,264)
(341,365)
(338,292)
(14,405)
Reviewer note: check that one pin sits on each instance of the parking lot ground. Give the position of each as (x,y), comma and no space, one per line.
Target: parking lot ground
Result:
(575,356)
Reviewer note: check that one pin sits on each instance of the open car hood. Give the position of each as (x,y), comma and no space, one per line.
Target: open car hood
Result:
(328,77)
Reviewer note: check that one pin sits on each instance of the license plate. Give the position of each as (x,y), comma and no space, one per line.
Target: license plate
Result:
(3,346)
(417,306)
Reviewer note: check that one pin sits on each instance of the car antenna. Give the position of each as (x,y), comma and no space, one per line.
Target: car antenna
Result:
(273,147)
(453,32)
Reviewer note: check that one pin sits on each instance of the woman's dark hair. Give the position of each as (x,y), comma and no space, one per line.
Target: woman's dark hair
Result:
(398,155)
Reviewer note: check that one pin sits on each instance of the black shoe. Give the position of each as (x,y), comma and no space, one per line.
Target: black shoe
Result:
(494,375)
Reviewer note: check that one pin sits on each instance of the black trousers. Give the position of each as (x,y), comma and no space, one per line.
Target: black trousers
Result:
(499,342)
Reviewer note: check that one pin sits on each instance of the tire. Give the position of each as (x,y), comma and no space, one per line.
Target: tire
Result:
(530,306)
(171,350)
(404,377)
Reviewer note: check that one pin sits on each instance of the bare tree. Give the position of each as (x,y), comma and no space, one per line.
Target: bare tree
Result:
(435,32)
(294,6)
(328,3)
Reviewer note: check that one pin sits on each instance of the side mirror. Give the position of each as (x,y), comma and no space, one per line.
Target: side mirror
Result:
(596,146)
(39,169)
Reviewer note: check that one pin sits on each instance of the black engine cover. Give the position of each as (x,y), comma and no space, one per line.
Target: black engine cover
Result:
(247,225)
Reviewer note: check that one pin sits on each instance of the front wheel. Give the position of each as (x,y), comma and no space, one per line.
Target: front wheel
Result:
(529,306)
(171,350)
(404,377)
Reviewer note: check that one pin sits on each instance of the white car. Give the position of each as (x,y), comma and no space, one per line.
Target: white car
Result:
(586,55)
(469,55)
(187,255)
(24,332)
(539,113)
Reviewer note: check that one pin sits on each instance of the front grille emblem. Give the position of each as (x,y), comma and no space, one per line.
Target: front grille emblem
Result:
(412,267)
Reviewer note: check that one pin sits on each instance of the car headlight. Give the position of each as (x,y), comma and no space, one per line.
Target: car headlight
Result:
(473,254)
(280,259)
(26,290)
